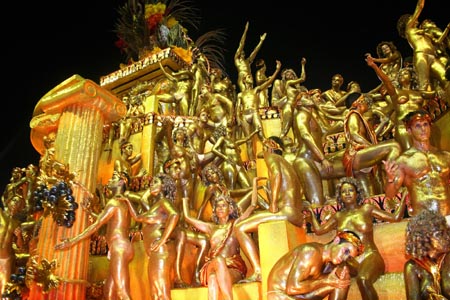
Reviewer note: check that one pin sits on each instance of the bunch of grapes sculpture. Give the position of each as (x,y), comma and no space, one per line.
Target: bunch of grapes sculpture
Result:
(57,201)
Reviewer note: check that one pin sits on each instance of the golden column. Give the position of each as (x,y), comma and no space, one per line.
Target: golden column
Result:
(76,110)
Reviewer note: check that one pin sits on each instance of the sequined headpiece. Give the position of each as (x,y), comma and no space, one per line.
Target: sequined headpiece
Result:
(353,239)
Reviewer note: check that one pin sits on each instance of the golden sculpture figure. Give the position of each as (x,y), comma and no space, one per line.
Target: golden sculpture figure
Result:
(439,38)
(117,217)
(200,130)
(135,110)
(14,190)
(427,272)
(183,234)
(214,181)
(333,94)
(9,235)
(158,231)
(311,164)
(242,63)
(363,152)
(260,77)
(169,100)
(181,150)
(247,107)
(31,182)
(309,271)
(285,197)
(47,157)
(423,169)
(223,265)
(183,88)
(232,164)
(288,87)
(219,106)
(389,58)
(405,98)
(184,116)
(127,162)
(425,60)
(329,116)
(222,84)
(200,71)
(358,217)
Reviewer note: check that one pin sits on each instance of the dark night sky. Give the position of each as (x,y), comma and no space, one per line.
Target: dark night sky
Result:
(47,42)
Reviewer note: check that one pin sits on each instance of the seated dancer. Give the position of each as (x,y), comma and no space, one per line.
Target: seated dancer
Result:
(224,264)
(285,197)
(358,217)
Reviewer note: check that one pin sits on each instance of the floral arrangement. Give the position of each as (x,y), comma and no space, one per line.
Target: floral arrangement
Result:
(147,26)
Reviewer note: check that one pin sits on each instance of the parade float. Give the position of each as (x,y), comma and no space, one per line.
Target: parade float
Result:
(78,128)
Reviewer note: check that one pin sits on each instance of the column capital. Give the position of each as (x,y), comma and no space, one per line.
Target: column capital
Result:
(75,90)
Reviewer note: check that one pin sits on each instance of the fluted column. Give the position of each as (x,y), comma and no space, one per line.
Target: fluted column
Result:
(77,109)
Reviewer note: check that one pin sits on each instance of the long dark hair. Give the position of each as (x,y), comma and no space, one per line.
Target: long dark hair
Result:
(234,209)
(168,186)
(214,168)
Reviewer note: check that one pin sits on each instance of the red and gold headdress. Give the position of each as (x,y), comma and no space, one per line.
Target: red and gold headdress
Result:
(353,239)
(415,116)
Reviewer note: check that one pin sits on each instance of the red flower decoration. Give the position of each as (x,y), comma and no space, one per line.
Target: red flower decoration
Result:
(153,20)
(121,44)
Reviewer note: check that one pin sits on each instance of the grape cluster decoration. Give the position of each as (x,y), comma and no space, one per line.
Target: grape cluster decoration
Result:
(57,201)
(16,285)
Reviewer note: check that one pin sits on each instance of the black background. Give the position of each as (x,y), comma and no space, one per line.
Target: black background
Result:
(46,42)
